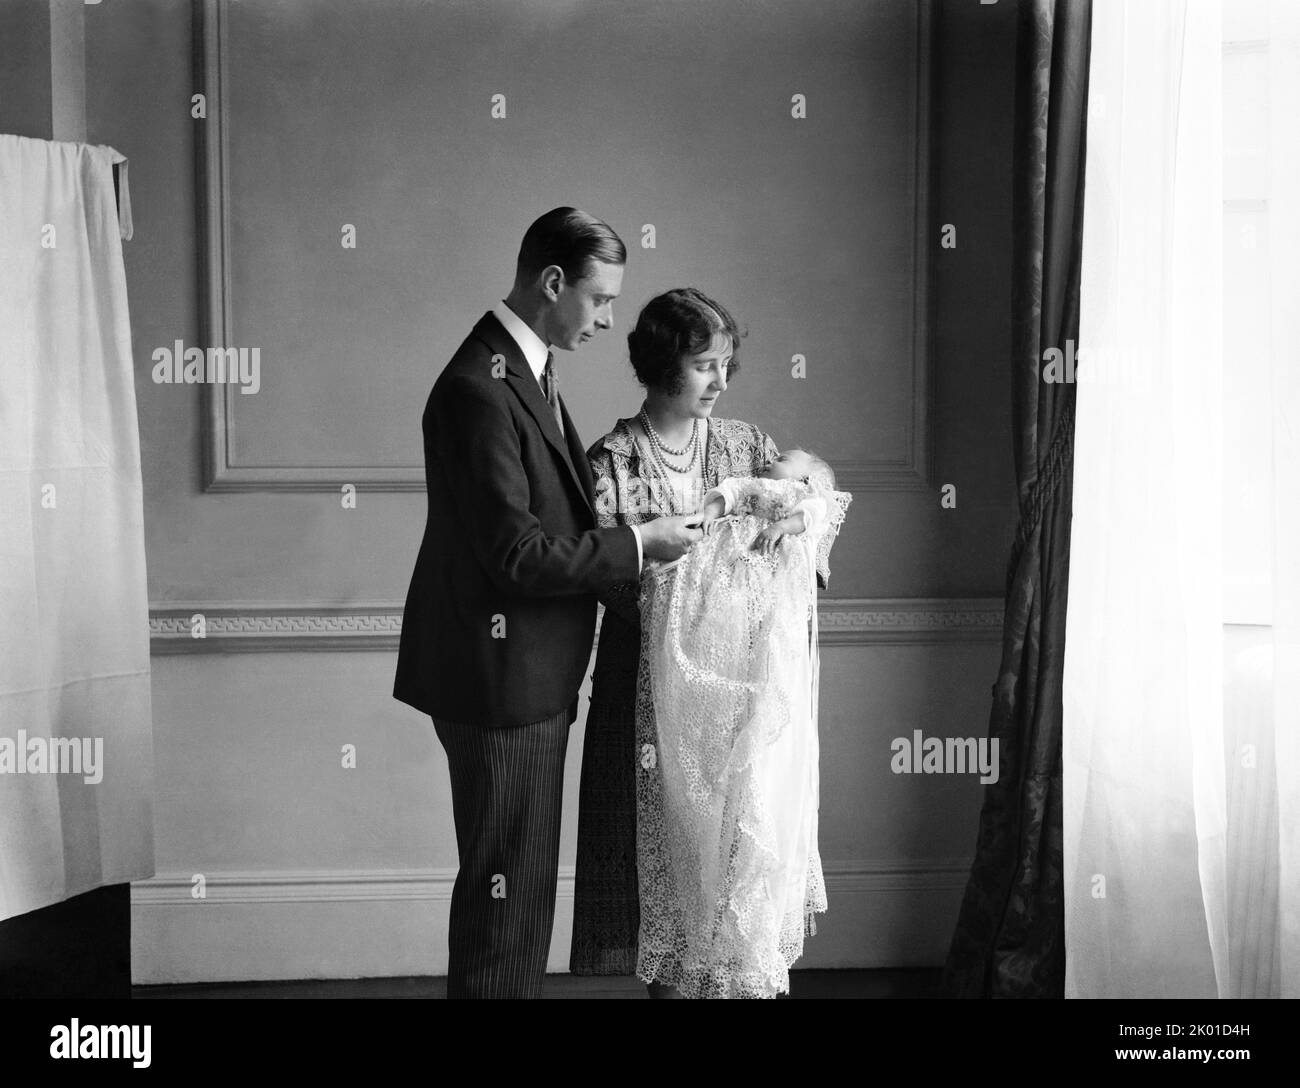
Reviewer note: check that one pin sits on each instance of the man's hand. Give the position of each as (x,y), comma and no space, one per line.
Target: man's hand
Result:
(668,538)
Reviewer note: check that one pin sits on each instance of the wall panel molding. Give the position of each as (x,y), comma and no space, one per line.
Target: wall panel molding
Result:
(908,472)
(261,627)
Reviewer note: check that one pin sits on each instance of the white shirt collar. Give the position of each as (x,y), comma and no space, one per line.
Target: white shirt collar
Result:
(535,351)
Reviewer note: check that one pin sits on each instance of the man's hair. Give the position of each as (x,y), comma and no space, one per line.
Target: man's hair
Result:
(571,239)
(677,323)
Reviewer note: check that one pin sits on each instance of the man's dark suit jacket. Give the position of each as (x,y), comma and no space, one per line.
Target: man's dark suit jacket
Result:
(510,549)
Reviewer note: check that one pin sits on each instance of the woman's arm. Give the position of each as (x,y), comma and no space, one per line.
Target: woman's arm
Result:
(717,502)
(813,511)
(611,511)
(836,505)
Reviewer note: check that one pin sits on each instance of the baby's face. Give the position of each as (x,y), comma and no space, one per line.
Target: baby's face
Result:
(791,465)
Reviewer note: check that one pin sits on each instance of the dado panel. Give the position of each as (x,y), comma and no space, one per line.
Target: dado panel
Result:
(304,819)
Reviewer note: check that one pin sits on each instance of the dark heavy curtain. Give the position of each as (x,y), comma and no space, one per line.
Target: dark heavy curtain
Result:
(1010,936)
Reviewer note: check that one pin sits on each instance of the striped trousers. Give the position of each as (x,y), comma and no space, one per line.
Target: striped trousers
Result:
(507,789)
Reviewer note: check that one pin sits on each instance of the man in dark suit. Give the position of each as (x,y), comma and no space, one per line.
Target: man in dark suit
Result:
(501,611)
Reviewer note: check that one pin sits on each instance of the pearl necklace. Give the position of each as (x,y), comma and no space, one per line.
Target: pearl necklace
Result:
(694,448)
(658,446)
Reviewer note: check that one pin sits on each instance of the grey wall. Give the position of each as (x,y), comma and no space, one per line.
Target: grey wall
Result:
(250,789)
(42,79)
(26,90)
(356,352)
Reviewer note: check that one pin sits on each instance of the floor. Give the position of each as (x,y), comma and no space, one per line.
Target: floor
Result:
(898,983)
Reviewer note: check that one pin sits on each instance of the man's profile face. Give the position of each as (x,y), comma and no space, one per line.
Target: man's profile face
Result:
(585,306)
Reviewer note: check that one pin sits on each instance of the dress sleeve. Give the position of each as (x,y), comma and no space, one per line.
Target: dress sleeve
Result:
(611,507)
(727,491)
(836,506)
(712,493)
(814,512)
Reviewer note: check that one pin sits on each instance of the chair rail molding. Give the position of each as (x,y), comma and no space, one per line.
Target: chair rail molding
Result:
(194,627)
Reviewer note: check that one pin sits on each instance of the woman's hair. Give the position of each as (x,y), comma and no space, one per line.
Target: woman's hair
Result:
(675,324)
(571,239)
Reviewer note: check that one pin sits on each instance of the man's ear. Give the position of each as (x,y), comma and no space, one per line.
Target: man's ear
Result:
(552,280)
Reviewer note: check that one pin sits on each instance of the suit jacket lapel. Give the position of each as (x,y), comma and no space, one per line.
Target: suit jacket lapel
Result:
(519,377)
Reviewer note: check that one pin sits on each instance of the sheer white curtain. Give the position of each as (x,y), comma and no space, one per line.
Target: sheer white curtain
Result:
(1281,322)
(76,755)
(1178,882)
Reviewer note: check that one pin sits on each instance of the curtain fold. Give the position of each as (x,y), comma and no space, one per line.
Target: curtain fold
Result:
(76,755)
(1010,935)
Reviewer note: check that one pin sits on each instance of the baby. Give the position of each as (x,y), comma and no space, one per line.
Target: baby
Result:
(785,493)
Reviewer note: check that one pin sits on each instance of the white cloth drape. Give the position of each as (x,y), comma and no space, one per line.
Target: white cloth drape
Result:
(74,624)
(1154,857)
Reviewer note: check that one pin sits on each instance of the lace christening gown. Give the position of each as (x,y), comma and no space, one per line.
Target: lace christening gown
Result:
(726,721)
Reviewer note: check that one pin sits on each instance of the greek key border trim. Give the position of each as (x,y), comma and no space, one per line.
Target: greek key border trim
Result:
(226,627)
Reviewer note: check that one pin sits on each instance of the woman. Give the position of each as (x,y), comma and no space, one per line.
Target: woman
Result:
(662,461)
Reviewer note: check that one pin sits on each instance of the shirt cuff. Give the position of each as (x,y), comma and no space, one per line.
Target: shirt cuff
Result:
(640,553)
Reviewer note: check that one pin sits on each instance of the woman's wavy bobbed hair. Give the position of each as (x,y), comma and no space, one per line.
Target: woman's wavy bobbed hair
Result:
(673,325)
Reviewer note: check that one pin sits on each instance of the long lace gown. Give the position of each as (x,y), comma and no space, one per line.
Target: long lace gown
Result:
(727,753)
(606,912)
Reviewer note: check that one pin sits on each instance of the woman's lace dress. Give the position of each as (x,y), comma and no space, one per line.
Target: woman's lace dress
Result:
(727,753)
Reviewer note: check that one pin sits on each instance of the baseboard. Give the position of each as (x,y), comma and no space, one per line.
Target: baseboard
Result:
(390,923)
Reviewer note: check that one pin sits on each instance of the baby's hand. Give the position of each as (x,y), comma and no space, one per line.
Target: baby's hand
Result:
(767,540)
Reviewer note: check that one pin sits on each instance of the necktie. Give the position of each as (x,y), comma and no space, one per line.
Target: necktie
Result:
(552,386)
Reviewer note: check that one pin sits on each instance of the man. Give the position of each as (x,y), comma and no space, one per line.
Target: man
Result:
(501,611)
